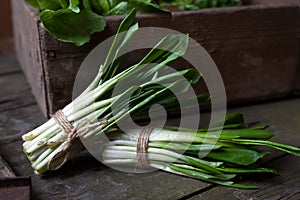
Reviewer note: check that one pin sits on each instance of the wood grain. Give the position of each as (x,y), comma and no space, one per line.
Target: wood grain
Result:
(27,46)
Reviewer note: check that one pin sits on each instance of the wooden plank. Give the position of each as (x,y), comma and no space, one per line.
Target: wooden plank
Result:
(17,188)
(11,85)
(23,99)
(27,46)
(15,98)
(9,65)
(14,123)
(15,92)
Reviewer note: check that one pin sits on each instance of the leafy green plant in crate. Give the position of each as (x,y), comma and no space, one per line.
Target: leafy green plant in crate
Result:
(76,20)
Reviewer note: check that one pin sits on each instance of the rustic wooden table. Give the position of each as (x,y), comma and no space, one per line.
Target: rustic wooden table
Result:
(86,178)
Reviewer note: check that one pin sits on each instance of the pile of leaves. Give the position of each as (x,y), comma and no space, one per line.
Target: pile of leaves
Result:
(76,20)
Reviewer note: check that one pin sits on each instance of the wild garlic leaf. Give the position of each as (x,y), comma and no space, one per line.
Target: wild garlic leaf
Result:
(34,3)
(247,133)
(101,6)
(119,9)
(236,155)
(145,6)
(141,6)
(247,170)
(281,147)
(86,4)
(73,5)
(113,3)
(52,5)
(67,26)
(232,118)
(64,3)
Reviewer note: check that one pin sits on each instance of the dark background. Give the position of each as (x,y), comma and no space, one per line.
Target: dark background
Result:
(6,35)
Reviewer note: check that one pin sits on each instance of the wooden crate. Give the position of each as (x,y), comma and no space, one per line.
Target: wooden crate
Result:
(256,48)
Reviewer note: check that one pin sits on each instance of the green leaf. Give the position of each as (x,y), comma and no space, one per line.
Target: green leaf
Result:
(244,133)
(230,121)
(184,146)
(214,3)
(198,4)
(201,164)
(141,6)
(102,6)
(86,4)
(232,118)
(218,179)
(236,155)
(282,147)
(175,2)
(198,173)
(225,127)
(248,133)
(146,102)
(168,49)
(189,7)
(235,185)
(246,170)
(202,98)
(64,3)
(127,21)
(261,127)
(68,26)
(119,9)
(192,75)
(73,5)
(189,171)
(118,45)
(52,5)
(34,3)
(120,51)
(145,6)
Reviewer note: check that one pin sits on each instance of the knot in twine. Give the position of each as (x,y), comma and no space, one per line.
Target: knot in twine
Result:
(142,146)
(66,126)
(74,145)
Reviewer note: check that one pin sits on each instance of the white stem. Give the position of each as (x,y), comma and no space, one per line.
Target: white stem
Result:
(35,143)
(41,158)
(45,161)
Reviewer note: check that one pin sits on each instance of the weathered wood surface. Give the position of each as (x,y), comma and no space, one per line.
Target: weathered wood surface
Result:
(27,46)
(5,169)
(251,45)
(85,178)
